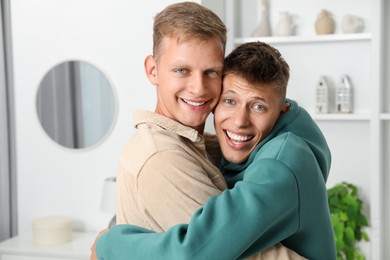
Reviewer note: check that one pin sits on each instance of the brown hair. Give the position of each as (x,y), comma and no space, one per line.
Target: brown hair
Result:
(187,19)
(259,63)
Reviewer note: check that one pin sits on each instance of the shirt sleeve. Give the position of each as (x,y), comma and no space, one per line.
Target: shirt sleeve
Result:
(170,193)
(257,213)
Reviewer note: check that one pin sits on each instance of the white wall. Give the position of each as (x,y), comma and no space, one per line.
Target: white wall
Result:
(113,35)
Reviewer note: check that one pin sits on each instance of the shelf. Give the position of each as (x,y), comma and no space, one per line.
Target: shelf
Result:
(385,116)
(307,39)
(341,117)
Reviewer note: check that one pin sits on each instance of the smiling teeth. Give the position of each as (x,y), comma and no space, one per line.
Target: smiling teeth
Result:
(238,138)
(195,104)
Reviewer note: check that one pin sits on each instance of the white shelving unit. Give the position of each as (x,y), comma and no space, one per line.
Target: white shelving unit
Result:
(307,39)
(359,141)
(385,116)
(341,117)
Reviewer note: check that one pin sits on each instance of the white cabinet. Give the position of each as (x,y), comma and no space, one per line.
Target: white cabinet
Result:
(22,248)
(359,141)
(23,257)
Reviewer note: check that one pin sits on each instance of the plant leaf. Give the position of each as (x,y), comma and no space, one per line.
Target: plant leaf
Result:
(347,220)
(349,236)
(365,236)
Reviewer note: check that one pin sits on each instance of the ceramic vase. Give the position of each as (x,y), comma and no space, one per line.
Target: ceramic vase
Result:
(351,24)
(325,23)
(286,25)
(264,27)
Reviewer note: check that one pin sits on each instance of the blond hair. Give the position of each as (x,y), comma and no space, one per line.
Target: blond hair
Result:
(187,20)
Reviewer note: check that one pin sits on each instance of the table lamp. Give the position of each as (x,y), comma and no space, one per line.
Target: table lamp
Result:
(108,203)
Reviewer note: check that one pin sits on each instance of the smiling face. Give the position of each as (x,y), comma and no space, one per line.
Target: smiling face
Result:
(245,115)
(188,79)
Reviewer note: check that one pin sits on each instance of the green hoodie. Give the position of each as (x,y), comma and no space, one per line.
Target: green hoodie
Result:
(277,195)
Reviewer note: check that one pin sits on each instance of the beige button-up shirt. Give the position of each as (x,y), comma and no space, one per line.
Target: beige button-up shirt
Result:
(164,175)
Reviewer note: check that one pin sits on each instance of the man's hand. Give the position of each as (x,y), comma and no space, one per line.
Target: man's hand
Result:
(93,248)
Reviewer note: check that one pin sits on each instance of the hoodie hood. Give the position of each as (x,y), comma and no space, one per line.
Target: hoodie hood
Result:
(298,122)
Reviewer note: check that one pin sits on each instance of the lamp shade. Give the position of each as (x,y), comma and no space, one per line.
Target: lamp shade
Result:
(108,203)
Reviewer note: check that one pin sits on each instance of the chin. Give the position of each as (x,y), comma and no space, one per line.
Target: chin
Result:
(191,123)
(236,162)
(234,159)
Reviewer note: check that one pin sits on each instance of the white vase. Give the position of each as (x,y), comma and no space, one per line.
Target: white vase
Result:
(351,24)
(286,25)
(264,27)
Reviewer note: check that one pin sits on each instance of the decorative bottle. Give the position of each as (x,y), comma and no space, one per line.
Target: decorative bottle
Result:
(344,95)
(264,27)
(323,96)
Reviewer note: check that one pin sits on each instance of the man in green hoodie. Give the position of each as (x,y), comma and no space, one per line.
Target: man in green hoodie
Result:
(276,162)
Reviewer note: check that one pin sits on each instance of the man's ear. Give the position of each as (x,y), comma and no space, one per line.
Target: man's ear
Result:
(285,107)
(151,69)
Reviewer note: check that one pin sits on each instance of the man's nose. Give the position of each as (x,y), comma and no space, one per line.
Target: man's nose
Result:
(241,116)
(197,84)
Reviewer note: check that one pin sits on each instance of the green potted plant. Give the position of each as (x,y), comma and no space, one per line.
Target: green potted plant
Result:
(348,220)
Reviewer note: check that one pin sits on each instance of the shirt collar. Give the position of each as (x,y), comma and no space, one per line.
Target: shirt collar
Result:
(145,117)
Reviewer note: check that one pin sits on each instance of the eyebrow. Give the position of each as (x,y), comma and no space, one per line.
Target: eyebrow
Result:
(229,92)
(185,63)
(235,93)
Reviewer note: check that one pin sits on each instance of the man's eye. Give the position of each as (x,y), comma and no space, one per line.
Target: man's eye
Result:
(228,101)
(259,107)
(211,72)
(181,71)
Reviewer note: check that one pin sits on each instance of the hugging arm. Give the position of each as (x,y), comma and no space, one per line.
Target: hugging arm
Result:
(227,225)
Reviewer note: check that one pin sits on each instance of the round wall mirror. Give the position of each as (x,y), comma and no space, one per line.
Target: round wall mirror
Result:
(76,105)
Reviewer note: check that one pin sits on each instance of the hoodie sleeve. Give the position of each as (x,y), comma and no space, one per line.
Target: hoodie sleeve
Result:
(252,213)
